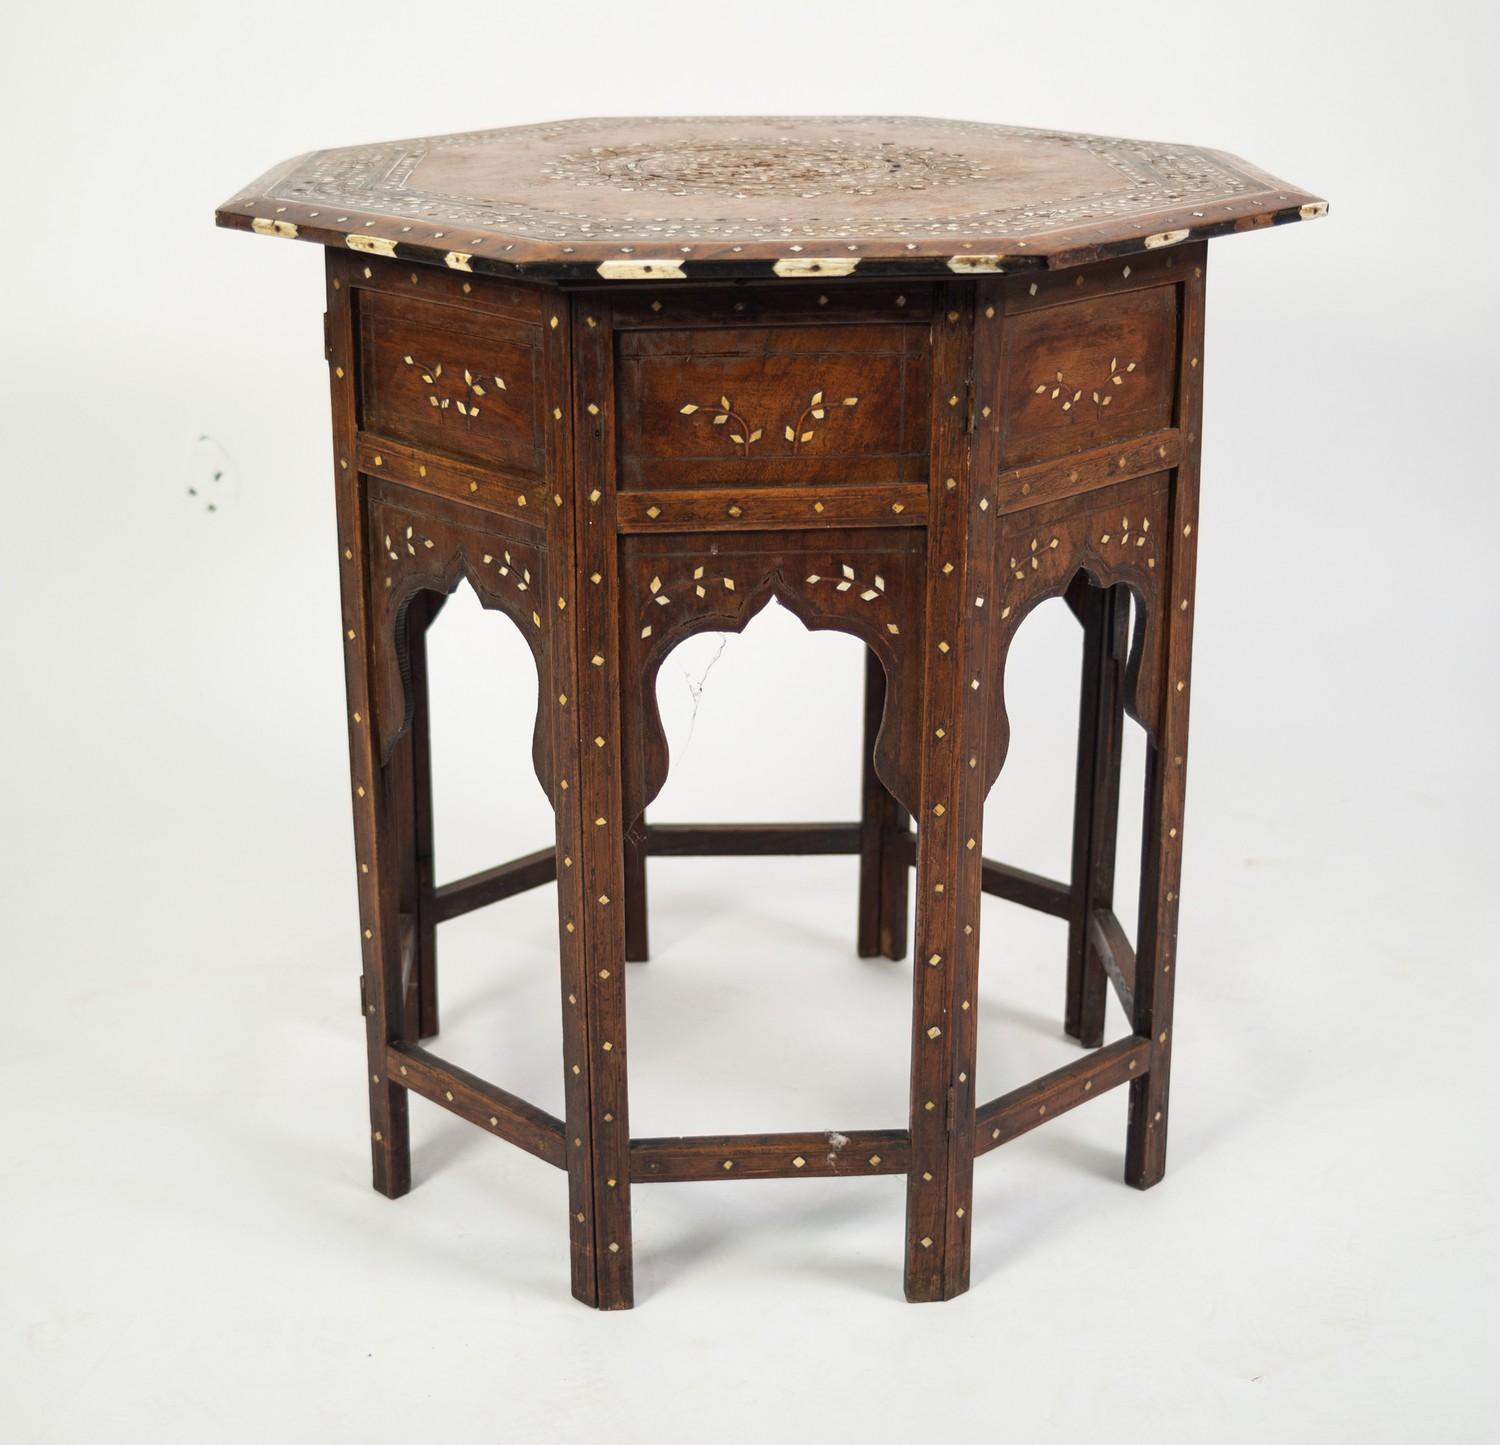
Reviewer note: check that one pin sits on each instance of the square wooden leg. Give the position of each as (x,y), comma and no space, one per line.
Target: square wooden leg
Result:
(410,786)
(596,849)
(423,882)
(1104,613)
(1161,852)
(959,692)
(377,870)
(637,932)
(884,868)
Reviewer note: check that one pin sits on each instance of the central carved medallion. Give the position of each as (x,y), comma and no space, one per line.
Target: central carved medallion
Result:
(735,167)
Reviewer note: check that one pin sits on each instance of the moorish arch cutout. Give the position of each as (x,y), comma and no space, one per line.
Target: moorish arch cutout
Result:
(870,584)
(1120,541)
(419,543)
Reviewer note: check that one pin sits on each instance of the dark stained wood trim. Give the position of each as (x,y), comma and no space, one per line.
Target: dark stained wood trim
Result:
(690,304)
(884,860)
(745,840)
(519,498)
(1030,890)
(758,509)
(599,846)
(1001,880)
(406,933)
(375,835)
(1163,267)
(504,299)
(819,1155)
(637,923)
(420,618)
(479,890)
(1096,805)
(1115,955)
(497,1112)
(1021,1110)
(1163,822)
(1029,486)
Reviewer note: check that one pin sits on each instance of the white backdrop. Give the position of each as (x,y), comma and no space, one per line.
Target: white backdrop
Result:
(189,1248)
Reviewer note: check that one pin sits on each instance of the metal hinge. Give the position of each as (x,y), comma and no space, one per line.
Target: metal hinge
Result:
(952,1106)
(971,416)
(327,338)
(363,1004)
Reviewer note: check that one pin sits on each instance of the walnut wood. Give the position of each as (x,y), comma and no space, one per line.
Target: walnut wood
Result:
(717,197)
(747,509)
(637,923)
(403,826)
(1084,471)
(421,818)
(772,1156)
(950,821)
(1101,727)
(886,848)
(606,814)
(375,841)
(1166,775)
(1002,880)
(406,952)
(479,890)
(471,1098)
(717,411)
(824,406)
(1023,1109)
(1114,955)
(748,840)
(866,581)
(1092,374)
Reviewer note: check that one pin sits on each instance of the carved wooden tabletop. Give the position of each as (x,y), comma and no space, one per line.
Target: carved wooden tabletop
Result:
(733,196)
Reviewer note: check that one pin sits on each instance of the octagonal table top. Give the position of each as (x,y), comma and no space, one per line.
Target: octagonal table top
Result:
(736,196)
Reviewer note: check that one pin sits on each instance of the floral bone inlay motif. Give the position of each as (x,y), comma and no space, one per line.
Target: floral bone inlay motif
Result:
(700,585)
(409,540)
(848,581)
(675,586)
(466,405)
(725,413)
(797,433)
(1129,539)
(703,578)
(1068,396)
(426,545)
(518,576)
(1126,534)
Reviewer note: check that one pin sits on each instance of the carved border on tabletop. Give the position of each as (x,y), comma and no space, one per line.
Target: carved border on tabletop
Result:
(415,548)
(869,584)
(1117,536)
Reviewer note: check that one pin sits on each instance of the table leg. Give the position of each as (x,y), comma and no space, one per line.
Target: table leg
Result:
(959,690)
(884,874)
(1104,612)
(376,867)
(377,860)
(600,835)
(1161,854)
(424,884)
(637,934)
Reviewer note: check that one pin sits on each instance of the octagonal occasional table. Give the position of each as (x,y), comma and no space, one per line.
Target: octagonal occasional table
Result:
(634,378)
